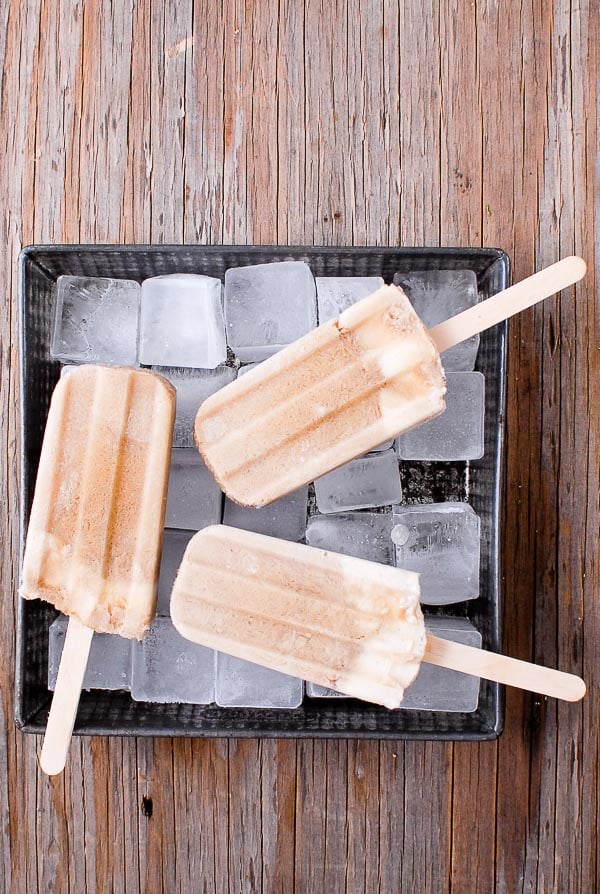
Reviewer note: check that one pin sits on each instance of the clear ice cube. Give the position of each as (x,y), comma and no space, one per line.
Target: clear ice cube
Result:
(435,688)
(268,306)
(109,662)
(385,446)
(96,320)
(193,386)
(246,368)
(458,433)
(194,499)
(182,322)
(437,295)
(285,518)
(173,548)
(365,535)
(441,542)
(242,684)
(440,689)
(364,483)
(336,293)
(169,669)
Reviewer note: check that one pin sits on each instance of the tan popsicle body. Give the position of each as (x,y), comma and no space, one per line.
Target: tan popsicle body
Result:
(333,395)
(337,621)
(95,531)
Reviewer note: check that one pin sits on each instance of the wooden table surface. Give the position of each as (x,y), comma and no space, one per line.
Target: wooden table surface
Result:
(358,123)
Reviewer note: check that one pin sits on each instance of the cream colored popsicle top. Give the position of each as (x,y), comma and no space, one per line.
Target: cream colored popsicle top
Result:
(94,535)
(337,621)
(332,395)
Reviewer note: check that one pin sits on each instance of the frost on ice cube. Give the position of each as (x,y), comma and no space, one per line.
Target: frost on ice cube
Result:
(441,542)
(458,433)
(437,295)
(364,483)
(242,684)
(194,499)
(167,668)
(268,306)
(182,322)
(193,386)
(109,662)
(285,518)
(173,548)
(313,690)
(336,293)
(365,535)
(435,688)
(96,320)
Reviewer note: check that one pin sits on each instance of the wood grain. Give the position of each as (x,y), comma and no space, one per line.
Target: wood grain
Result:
(353,123)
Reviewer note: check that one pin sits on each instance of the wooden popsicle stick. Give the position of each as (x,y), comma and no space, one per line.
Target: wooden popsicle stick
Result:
(63,710)
(508,303)
(502,669)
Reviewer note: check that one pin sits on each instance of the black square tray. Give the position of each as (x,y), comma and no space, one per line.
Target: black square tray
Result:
(115,713)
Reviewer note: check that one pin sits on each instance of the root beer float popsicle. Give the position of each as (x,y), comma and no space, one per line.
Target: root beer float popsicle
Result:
(95,530)
(344,388)
(337,621)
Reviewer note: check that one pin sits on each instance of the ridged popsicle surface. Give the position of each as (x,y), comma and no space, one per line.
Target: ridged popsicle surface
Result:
(337,621)
(336,393)
(95,530)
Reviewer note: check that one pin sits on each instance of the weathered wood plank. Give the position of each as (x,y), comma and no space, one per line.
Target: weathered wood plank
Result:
(310,816)
(278,771)
(200,783)
(291,141)
(427,806)
(21,870)
(245,816)
(418,49)
(204,127)
(342,123)
(157,823)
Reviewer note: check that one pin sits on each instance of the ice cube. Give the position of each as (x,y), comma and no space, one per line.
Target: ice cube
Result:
(313,690)
(285,518)
(193,386)
(435,688)
(170,669)
(109,662)
(459,432)
(194,499)
(372,480)
(96,320)
(441,542)
(246,368)
(366,535)
(182,322)
(242,684)
(173,548)
(440,689)
(336,293)
(437,295)
(385,446)
(267,306)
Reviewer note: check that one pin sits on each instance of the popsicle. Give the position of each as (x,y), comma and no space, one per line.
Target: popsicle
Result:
(95,530)
(336,621)
(344,388)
